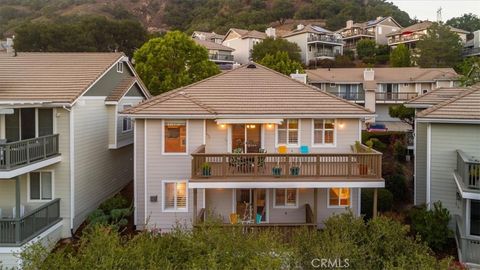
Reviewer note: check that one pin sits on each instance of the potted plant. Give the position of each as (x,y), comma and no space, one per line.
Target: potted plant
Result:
(277,170)
(295,169)
(206,169)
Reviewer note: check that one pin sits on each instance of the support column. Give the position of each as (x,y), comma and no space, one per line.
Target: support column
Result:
(195,203)
(315,205)
(375,197)
(17,209)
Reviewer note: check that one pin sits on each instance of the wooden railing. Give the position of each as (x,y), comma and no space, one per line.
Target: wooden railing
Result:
(309,216)
(395,96)
(25,152)
(468,168)
(469,248)
(349,165)
(17,231)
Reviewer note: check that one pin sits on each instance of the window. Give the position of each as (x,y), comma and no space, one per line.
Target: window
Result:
(45,122)
(126,121)
(475,217)
(175,136)
(175,196)
(323,132)
(339,197)
(40,186)
(120,67)
(287,132)
(24,123)
(286,198)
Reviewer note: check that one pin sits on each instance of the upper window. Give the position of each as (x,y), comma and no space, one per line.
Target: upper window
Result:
(323,131)
(287,132)
(175,196)
(41,186)
(339,197)
(175,136)
(120,67)
(286,197)
(475,217)
(126,121)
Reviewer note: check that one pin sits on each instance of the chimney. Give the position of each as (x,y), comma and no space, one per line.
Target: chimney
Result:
(349,24)
(300,26)
(379,18)
(299,77)
(271,32)
(368,74)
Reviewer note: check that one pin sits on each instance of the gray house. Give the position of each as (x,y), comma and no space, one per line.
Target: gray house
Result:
(63,146)
(251,146)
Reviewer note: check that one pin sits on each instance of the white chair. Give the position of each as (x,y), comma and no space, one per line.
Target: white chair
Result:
(22,211)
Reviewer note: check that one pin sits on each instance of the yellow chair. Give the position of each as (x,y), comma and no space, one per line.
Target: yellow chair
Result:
(233,218)
(282,149)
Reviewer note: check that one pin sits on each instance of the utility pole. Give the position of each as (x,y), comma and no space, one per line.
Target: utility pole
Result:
(439,15)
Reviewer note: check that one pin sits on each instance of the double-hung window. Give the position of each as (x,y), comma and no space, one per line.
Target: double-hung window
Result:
(286,198)
(175,138)
(126,121)
(338,197)
(40,186)
(288,132)
(175,196)
(324,132)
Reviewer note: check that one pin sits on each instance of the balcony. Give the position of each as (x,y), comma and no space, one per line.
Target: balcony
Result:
(18,231)
(471,51)
(395,96)
(221,57)
(468,169)
(324,38)
(324,53)
(357,32)
(363,165)
(23,153)
(354,96)
(403,39)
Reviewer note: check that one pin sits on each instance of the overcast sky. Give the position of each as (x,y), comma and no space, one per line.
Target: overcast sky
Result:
(427,9)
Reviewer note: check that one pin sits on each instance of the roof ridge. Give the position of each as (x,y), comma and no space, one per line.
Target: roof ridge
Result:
(446,102)
(197,102)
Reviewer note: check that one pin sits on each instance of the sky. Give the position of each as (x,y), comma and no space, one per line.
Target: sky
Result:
(427,9)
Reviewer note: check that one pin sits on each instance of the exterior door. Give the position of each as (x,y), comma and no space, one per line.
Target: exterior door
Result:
(251,203)
(246,137)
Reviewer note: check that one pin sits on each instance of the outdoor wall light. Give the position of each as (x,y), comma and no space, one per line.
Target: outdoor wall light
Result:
(269,125)
(341,124)
(222,125)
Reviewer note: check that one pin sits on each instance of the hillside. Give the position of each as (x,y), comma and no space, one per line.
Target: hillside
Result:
(207,15)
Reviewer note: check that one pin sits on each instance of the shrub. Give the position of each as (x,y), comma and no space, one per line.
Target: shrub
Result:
(397,185)
(431,225)
(113,211)
(384,203)
(115,202)
(399,150)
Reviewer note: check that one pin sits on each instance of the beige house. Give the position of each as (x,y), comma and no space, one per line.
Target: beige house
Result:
(208,36)
(376,30)
(411,34)
(379,88)
(63,147)
(242,41)
(315,43)
(250,146)
(218,53)
(447,161)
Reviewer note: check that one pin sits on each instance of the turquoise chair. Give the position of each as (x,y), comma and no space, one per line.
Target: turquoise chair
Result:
(304,149)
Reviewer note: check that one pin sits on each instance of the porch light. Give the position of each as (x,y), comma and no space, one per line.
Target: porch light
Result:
(341,125)
(222,125)
(269,126)
(250,126)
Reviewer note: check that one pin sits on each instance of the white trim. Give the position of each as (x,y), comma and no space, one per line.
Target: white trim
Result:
(204,140)
(186,141)
(72,166)
(467,221)
(299,134)
(120,67)
(37,123)
(359,131)
(293,184)
(145,175)
(339,199)
(253,116)
(324,145)
(465,194)
(29,200)
(234,200)
(175,208)
(359,201)
(249,121)
(415,137)
(93,98)
(29,168)
(54,120)
(429,164)
(204,203)
(275,206)
(449,121)
(135,209)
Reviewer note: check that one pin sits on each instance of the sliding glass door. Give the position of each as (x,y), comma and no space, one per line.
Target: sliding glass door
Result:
(27,123)
(246,138)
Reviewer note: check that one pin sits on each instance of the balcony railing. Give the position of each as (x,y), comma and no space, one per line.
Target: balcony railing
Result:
(348,165)
(357,32)
(404,38)
(324,38)
(17,231)
(324,53)
(349,95)
(469,248)
(221,57)
(468,168)
(398,96)
(22,153)
(471,51)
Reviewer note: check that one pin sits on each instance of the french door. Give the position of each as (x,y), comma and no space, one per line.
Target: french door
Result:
(246,137)
(251,205)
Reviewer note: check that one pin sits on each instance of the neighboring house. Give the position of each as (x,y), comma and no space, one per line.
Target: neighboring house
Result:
(63,147)
(251,146)
(378,89)
(6,45)
(447,162)
(411,34)
(242,41)
(315,43)
(376,30)
(472,46)
(207,36)
(218,53)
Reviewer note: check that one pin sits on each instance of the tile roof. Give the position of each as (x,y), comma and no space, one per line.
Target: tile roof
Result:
(121,89)
(209,45)
(51,77)
(436,96)
(309,28)
(249,33)
(465,106)
(404,74)
(248,91)
(422,26)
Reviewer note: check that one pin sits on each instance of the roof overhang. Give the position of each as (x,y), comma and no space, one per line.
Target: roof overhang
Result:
(448,121)
(249,121)
(417,105)
(245,116)
(380,183)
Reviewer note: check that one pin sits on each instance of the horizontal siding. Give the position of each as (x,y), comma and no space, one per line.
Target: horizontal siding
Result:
(125,138)
(421,163)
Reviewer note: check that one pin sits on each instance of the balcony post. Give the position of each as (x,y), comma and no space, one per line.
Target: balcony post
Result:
(195,198)
(17,209)
(28,151)
(375,197)
(315,207)
(44,147)
(7,156)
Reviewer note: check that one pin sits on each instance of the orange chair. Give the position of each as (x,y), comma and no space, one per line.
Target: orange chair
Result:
(282,149)
(233,218)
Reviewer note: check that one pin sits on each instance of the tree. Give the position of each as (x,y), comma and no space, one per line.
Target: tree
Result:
(469,69)
(405,114)
(366,49)
(282,10)
(400,56)
(281,63)
(440,47)
(172,61)
(272,46)
(469,22)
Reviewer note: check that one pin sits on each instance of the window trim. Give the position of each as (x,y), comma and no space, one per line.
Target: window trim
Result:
(126,117)
(275,206)
(186,139)
(324,145)
(339,206)
(299,133)
(29,200)
(175,210)
(120,67)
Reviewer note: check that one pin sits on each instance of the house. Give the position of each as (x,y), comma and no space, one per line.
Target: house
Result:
(377,89)
(376,30)
(447,162)
(251,146)
(411,34)
(242,41)
(6,45)
(472,46)
(208,36)
(315,43)
(63,147)
(218,53)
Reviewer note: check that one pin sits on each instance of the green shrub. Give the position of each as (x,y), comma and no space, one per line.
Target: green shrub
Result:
(384,203)
(399,150)
(115,202)
(113,211)
(431,225)
(397,185)
(376,144)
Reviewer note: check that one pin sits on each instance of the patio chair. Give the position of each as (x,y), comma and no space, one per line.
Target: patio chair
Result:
(304,149)
(233,218)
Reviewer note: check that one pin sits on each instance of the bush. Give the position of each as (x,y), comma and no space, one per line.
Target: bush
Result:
(113,211)
(432,225)
(384,203)
(115,202)
(399,150)
(397,185)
